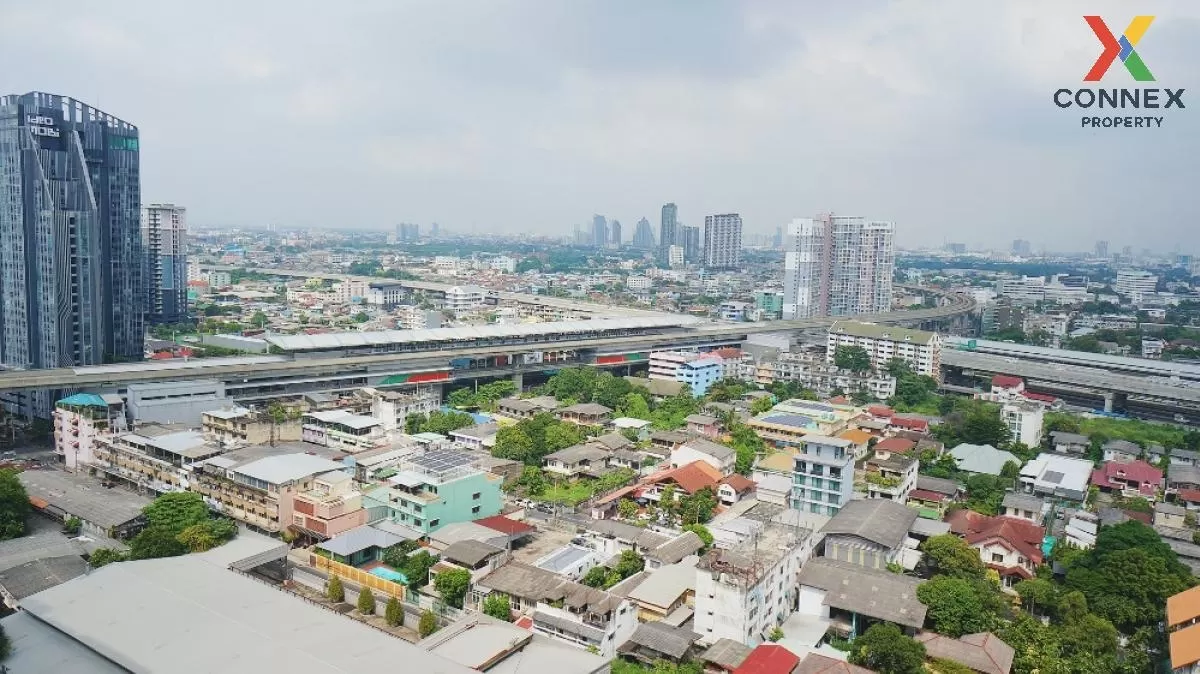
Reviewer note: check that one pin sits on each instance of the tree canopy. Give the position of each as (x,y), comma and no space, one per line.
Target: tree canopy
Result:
(452,584)
(14,505)
(887,650)
(853,358)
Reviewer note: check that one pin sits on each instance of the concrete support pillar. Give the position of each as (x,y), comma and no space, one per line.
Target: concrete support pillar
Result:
(1108,401)
(518,380)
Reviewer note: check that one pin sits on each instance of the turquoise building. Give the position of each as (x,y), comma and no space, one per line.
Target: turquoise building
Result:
(770,302)
(436,488)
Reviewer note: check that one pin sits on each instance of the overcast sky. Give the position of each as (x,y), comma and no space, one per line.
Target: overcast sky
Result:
(511,116)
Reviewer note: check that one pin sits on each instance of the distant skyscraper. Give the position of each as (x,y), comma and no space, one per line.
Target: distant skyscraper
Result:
(667,234)
(164,239)
(599,231)
(723,241)
(614,229)
(956,248)
(408,232)
(643,236)
(777,241)
(433,231)
(71,290)
(837,265)
(1102,249)
(1021,248)
(690,239)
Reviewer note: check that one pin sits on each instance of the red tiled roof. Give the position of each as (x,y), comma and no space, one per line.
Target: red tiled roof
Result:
(506,525)
(839,400)
(895,445)
(1006,381)
(524,622)
(1021,535)
(1040,397)
(1189,495)
(926,495)
(911,423)
(739,483)
(880,411)
(768,659)
(691,478)
(1147,477)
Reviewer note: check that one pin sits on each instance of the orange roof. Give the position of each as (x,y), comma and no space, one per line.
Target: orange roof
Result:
(691,478)
(1183,607)
(856,436)
(1185,646)
(40,504)
(739,483)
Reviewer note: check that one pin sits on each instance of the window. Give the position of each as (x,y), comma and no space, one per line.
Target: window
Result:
(835,486)
(475,496)
(434,523)
(835,472)
(997,557)
(416,522)
(475,510)
(817,469)
(818,483)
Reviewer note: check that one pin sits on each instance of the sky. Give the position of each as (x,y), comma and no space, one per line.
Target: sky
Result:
(512,116)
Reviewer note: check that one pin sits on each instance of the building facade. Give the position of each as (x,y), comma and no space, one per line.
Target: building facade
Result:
(668,234)
(837,265)
(71,261)
(824,477)
(164,241)
(722,241)
(921,350)
(690,240)
(643,235)
(436,488)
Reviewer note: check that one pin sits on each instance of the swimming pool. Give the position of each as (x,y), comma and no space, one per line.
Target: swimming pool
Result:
(388,574)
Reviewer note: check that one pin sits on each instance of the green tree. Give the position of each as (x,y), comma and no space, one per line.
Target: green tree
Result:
(366,601)
(610,391)
(396,556)
(393,613)
(428,624)
(72,525)
(533,479)
(413,423)
(497,606)
(726,390)
(982,425)
(635,406)
(1038,595)
(416,568)
(703,532)
(950,555)
(747,445)
(560,436)
(887,650)
(514,443)
(597,576)
(176,511)
(699,507)
(452,585)
(853,358)
(671,412)
(1090,634)
(461,398)
(776,634)
(576,383)
(334,590)
(197,538)
(762,405)
(361,317)
(955,606)
(104,556)
(154,542)
(14,505)
(443,422)
(629,563)
(259,319)
(627,509)
(985,493)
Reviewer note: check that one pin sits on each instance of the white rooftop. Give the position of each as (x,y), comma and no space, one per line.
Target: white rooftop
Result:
(344,418)
(287,468)
(192,615)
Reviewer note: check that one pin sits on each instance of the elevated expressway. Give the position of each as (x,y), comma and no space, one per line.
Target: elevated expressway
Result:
(440,355)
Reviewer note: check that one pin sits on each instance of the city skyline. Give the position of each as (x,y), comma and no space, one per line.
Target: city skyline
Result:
(936,142)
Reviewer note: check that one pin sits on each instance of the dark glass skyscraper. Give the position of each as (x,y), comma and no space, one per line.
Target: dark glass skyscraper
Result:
(668,234)
(71,290)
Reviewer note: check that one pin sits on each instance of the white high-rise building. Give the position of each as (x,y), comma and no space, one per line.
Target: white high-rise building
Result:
(837,265)
(1132,284)
(723,241)
(164,240)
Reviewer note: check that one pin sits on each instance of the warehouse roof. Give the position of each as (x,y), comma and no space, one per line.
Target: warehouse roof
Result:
(249,626)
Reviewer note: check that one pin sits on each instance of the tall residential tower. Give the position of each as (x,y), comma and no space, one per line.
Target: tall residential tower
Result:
(71,290)
(164,237)
(723,241)
(643,236)
(836,265)
(667,231)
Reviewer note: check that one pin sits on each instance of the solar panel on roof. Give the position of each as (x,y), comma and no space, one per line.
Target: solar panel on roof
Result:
(442,460)
(789,419)
(1053,477)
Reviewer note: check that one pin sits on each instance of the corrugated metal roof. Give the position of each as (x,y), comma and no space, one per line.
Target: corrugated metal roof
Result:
(338,340)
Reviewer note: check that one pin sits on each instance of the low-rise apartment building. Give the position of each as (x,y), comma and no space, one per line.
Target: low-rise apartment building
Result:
(742,593)
(438,487)
(343,430)
(79,420)
(921,350)
(890,476)
(584,617)
(156,459)
(330,506)
(823,481)
(239,426)
(256,486)
(392,408)
(697,371)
